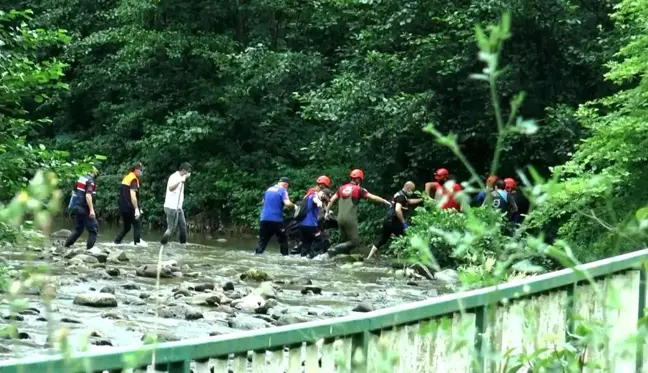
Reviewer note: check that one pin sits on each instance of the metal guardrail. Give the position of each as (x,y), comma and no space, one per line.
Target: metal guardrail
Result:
(545,303)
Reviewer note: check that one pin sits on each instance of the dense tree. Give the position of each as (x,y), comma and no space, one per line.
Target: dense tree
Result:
(248,91)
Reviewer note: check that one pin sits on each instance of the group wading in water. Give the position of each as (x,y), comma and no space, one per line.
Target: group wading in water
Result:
(313,215)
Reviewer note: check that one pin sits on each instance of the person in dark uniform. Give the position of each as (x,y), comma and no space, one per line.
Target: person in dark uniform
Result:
(272,221)
(396,219)
(82,203)
(129,204)
(521,201)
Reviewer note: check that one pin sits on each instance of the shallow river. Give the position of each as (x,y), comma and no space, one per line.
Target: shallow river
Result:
(344,286)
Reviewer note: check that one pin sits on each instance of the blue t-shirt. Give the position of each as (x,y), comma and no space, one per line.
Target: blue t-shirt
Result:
(273,204)
(312,212)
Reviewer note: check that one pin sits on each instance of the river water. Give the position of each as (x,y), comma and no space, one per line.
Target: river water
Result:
(344,286)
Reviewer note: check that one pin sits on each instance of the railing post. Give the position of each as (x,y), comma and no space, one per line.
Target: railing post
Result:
(360,347)
(180,366)
(480,346)
(642,305)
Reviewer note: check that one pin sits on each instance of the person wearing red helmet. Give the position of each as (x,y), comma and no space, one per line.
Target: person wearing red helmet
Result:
(349,195)
(442,193)
(520,200)
(322,182)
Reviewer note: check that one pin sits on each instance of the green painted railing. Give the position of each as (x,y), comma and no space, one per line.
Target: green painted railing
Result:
(451,333)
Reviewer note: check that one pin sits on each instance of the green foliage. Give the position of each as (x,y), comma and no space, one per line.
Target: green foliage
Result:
(598,191)
(248,91)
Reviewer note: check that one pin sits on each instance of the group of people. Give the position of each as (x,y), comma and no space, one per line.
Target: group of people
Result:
(315,209)
(84,198)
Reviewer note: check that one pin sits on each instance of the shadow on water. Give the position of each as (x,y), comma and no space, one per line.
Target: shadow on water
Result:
(205,260)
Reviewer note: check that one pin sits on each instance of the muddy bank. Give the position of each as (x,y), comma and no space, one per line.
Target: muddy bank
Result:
(108,295)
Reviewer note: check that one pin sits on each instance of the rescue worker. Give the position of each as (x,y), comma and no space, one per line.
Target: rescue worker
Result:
(309,225)
(501,199)
(490,185)
(82,202)
(321,183)
(442,193)
(349,196)
(520,200)
(274,201)
(129,204)
(396,219)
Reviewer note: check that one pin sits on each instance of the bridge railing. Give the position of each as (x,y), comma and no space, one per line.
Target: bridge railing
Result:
(451,333)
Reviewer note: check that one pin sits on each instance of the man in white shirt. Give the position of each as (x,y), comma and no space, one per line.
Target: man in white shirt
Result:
(173,204)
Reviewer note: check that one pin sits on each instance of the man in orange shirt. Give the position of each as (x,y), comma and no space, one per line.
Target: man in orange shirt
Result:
(444,194)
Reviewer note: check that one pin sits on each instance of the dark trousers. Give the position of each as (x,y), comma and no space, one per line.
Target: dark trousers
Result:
(268,229)
(391,226)
(349,237)
(82,220)
(128,221)
(307,235)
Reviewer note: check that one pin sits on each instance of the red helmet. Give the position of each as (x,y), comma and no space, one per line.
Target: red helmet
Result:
(441,173)
(357,174)
(324,180)
(510,183)
(491,180)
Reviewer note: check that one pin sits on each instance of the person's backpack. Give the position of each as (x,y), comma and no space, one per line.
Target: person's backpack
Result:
(301,210)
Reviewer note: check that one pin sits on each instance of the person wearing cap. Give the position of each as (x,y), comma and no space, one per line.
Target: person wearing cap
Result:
(349,196)
(129,204)
(274,201)
(442,193)
(395,221)
(173,201)
(82,203)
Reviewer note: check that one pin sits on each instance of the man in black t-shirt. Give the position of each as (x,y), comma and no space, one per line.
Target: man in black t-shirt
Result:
(396,219)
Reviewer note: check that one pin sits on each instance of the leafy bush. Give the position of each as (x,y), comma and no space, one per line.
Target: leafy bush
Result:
(450,241)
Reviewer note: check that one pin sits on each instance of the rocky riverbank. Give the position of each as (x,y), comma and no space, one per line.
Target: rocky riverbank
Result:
(107,296)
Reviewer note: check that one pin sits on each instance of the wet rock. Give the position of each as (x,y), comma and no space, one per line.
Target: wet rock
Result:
(101,255)
(23,335)
(266,290)
(221,330)
(131,286)
(292,319)
(161,336)
(166,313)
(352,258)
(255,275)
(133,301)
(171,264)
(193,274)
(412,283)
(116,256)
(447,276)
(150,271)
(363,307)
(7,350)
(108,289)
(144,296)
(70,320)
(266,306)
(221,240)
(432,293)
(60,234)
(212,299)
(96,300)
(182,293)
(29,311)
(14,317)
(229,286)
(301,281)
(98,265)
(243,322)
(311,290)
(424,271)
(71,253)
(89,259)
(114,315)
(225,309)
(249,303)
(101,342)
(114,272)
(203,287)
(193,314)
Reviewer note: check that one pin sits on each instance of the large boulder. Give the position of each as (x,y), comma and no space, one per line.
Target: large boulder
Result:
(150,271)
(447,276)
(266,290)
(243,322)
(96,300)
(117,256)
(208,299)
(255,275)
(249,303)
(100,254)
